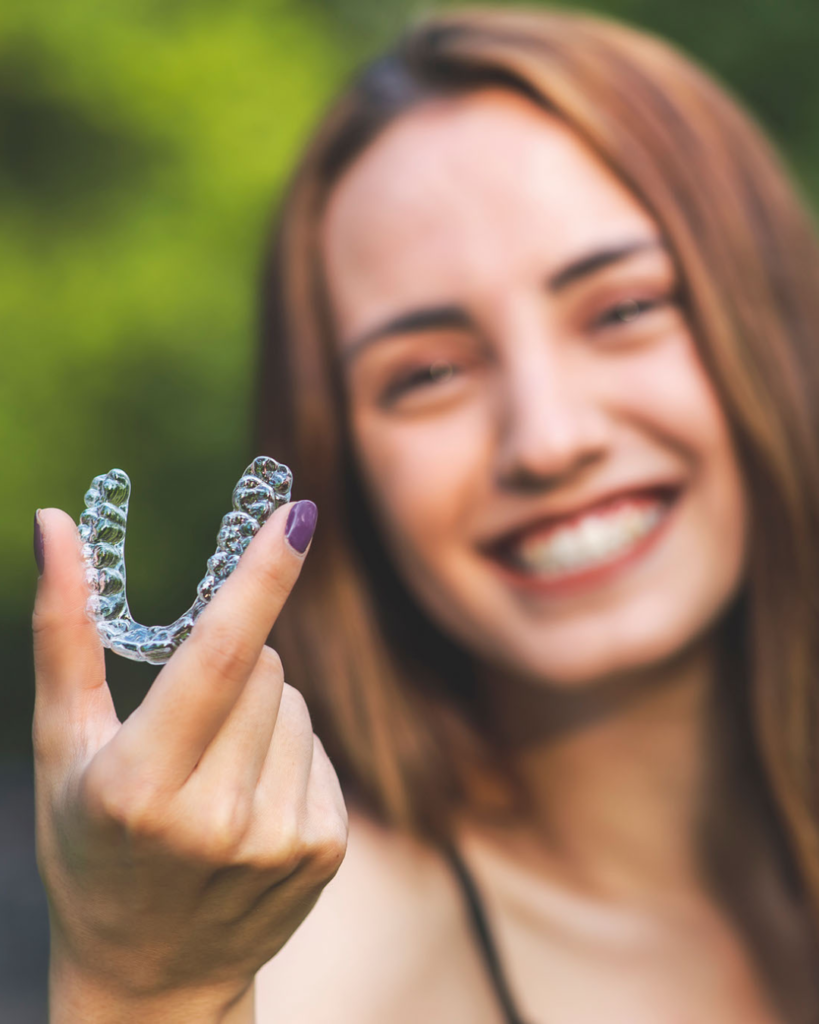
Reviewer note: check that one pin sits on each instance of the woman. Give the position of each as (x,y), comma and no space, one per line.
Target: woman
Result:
(540,344)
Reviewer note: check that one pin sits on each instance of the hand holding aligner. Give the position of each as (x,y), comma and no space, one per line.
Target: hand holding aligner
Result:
(263,487)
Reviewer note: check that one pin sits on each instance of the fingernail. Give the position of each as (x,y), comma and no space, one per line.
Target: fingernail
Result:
(301,522)
(38,543)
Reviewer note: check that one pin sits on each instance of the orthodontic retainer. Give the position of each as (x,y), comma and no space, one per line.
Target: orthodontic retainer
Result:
(263,487)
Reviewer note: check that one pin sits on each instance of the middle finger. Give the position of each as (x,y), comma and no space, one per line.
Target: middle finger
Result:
(195,692)
(232,762)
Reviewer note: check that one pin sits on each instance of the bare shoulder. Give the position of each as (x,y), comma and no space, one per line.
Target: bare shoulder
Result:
(385,941)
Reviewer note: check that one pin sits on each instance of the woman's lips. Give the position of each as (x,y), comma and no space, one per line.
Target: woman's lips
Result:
(588,546)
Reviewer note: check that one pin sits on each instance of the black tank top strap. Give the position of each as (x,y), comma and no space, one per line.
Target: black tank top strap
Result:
(480,924)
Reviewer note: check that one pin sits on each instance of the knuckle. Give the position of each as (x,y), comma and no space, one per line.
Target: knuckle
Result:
(215,846)
(287,849)
(274,575)
(327,849)
(275,582)
(224,828)
(313,849)
(270,662)
(40,622)
(44,637)
(225,651)
(43,617)
(130,806)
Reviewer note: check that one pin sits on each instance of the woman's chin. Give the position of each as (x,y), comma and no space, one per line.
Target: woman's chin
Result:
(581,659)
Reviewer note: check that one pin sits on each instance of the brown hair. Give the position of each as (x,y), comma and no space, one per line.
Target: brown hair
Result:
(390,696)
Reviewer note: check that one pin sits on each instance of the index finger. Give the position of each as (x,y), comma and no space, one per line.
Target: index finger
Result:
(193,695)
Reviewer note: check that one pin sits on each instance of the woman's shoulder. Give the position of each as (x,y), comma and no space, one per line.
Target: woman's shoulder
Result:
(386,940)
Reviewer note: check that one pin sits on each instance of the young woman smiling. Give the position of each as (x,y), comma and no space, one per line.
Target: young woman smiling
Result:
(540,344)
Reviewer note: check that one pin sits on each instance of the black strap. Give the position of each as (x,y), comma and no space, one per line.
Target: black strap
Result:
(487,945)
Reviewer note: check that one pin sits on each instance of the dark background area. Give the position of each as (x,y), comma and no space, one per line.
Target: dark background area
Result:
(143,145)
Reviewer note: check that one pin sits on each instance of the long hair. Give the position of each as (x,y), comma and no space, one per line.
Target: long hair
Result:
(392,698)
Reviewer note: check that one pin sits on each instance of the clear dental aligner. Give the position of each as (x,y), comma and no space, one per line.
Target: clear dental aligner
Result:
(263,487)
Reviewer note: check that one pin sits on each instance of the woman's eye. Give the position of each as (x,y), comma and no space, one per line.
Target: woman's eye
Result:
(422,376)
(628,310)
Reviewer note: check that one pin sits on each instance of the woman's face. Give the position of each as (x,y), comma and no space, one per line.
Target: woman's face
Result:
(549,462)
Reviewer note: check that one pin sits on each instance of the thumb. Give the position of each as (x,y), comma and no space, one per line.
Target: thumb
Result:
(68,655)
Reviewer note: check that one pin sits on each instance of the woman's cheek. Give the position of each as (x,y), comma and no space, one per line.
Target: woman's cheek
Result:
(681,407)
(674,390)
(422,473)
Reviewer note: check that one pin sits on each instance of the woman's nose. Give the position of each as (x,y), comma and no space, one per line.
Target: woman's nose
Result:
(550,426)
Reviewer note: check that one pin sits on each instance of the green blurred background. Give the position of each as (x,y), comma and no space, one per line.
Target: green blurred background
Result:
(143,144)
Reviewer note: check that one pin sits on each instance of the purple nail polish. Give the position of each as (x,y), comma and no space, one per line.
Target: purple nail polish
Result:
(301,522)
(38,544)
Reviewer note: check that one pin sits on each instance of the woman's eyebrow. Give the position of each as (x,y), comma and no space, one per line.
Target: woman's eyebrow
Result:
(427,319)
(593,261)
(434,317)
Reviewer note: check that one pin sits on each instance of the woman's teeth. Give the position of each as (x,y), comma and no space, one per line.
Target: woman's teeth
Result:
(594,539)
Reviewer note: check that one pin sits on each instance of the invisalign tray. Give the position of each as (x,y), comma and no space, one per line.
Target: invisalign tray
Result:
(264,486)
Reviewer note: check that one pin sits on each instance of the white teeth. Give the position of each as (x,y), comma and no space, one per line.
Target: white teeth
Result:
(594,539)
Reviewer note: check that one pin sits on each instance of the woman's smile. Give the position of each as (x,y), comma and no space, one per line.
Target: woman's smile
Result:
(588,547)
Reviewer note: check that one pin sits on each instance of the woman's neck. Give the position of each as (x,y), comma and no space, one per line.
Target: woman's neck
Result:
(615,775)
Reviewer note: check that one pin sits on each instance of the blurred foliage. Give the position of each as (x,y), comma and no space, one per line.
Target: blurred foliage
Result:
(142,147)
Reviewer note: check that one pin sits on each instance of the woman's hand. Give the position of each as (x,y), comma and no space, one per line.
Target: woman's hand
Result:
(181,848)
